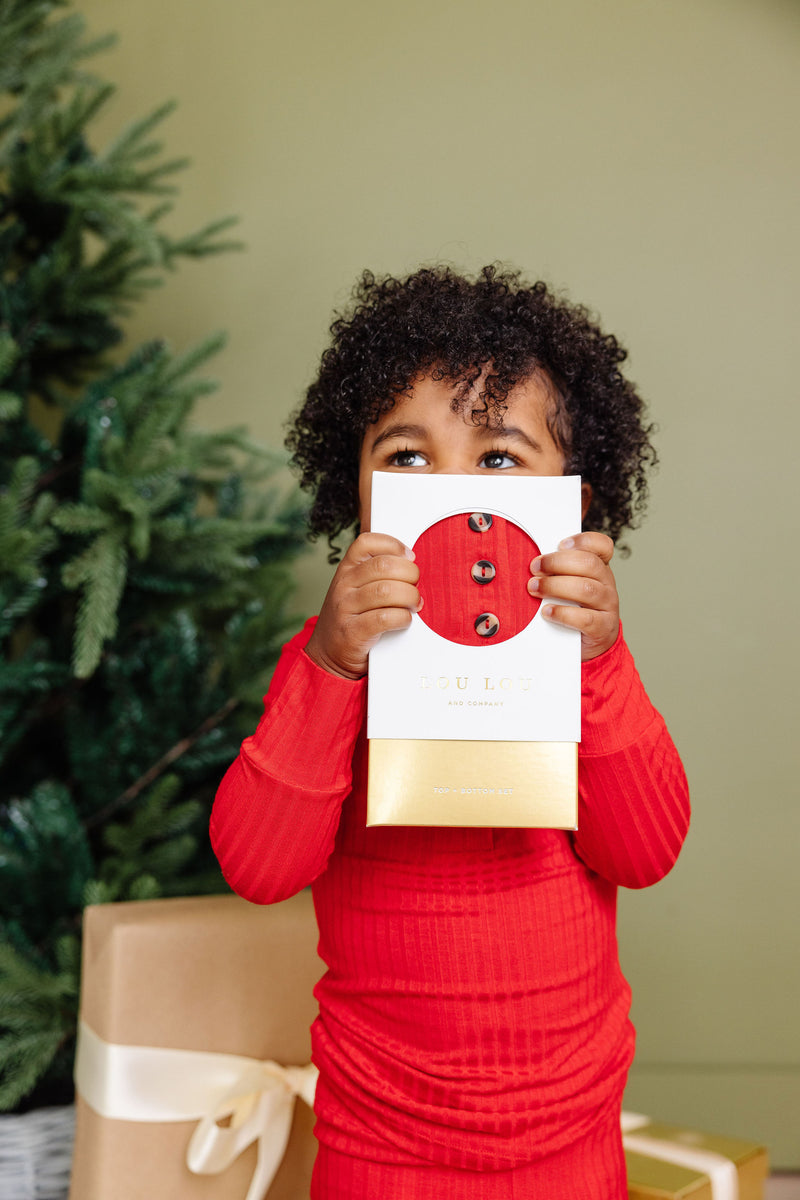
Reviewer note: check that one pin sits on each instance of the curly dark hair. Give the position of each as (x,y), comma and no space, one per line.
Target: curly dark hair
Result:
(439,322)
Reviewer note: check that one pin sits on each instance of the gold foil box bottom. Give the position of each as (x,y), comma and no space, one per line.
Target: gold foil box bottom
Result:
(528,785)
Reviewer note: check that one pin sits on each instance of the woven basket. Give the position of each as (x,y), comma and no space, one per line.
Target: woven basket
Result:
(36,1154)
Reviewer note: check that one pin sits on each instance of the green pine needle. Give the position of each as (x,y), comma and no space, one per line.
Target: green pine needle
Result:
(80,518)
(24,1058)
(9,353)
(25,537)
(10,406)
(100,570)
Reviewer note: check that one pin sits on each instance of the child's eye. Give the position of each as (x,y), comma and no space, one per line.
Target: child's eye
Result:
(406,458)
(498,460)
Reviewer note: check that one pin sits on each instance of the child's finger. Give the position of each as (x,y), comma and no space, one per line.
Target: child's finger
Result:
(371,545)
(587,620)
(598,629)
(370,625)
(592,542)
(588,591)
(575,563)
(382,567)
(385,593)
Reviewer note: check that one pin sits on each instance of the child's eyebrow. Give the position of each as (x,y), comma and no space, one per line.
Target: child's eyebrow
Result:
(398,430)
(508,431)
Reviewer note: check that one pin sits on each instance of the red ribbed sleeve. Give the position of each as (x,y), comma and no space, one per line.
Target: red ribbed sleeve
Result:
(634,800)
(274,821)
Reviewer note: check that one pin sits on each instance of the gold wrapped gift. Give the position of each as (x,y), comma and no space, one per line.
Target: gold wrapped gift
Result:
(669,1162)
(191,1010)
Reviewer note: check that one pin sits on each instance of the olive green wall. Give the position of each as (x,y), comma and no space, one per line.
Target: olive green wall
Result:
(641,154)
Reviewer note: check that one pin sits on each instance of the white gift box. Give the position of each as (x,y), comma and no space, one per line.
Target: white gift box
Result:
(475,734)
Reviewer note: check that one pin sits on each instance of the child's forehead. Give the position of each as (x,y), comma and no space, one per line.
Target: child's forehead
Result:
(467,400)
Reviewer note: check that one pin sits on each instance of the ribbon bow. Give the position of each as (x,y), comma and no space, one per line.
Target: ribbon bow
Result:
(260,1108)
(148,1083)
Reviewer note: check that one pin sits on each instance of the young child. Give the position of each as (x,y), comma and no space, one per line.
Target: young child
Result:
(473,1037)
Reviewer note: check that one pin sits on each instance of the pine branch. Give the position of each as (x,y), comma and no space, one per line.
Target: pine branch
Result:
(100,570)
(167,760)
(38,1011)
(24,534)
(24,1059)
(130,145)
(9,353)
(10,406)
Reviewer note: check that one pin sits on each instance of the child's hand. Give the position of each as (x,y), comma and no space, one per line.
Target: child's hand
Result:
(579,570)
(372,591)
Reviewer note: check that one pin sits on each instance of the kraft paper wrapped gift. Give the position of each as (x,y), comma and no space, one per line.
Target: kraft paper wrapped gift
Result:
(668,1162)
(214,975)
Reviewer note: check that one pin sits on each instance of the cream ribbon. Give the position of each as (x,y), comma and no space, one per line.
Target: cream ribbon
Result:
(720,1170)
(146,1083)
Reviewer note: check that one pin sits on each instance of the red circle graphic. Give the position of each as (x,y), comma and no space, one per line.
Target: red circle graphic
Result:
(446,555)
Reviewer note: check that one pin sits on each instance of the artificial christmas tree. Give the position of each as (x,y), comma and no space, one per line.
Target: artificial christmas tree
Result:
(144,566)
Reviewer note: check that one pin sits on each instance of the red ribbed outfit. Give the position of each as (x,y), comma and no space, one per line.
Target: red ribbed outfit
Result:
(473,1037)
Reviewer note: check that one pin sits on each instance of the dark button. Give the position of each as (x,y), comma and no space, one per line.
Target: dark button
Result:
(480,522)
(483,571)
(486,625)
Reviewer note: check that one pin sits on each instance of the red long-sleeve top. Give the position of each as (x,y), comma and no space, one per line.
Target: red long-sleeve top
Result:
(474,1013)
